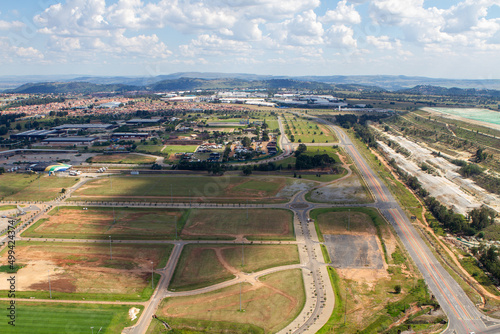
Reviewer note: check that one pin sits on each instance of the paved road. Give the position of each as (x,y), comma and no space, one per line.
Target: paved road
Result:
(462,314)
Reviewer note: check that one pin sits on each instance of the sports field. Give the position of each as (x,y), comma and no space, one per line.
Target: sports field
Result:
(123,158)
(94,271)
(177,188)
(233,223)
(24,187)
(73,222)
(66,318)
(267,305)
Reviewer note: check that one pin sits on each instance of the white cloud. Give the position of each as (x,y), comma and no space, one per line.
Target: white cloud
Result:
(4,25)
(340,36)
(8,51)
(344,13)
(304,29)
(74,18)
(213,45)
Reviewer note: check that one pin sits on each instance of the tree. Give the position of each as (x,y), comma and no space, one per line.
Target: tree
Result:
(397,289)
(63,190)
(482,217)
(18,126)
(300,149)
(247,170)
(246,141)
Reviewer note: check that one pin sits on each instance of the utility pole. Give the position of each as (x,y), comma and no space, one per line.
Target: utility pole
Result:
(345,308)
(240,296)
(348,219)
(152,282)
(171,197)
(50,290)
(175,218)
(242,253)
(110,250)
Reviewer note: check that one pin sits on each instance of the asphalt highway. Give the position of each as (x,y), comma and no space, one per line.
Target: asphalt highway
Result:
(462,314)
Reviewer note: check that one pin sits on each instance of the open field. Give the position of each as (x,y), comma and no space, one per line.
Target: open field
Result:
(234,189)
(372,304)
(151,149)
(123,158)
(308,131)
(171,150)
(98,223)
(205,265)
(75,268)
(218,311)
(349,190)
(233,223)
(50,318)
(24,187)
(198,266)
(260,257)
(7,207)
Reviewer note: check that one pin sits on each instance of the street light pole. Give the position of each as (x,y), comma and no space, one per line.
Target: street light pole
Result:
(50,290)
(345,308)
(110,249)
(152,268)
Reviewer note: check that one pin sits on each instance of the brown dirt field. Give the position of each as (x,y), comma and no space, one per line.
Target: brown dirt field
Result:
(222,305)
(76,268)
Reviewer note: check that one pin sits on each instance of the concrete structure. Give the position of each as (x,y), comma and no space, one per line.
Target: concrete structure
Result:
(65,141)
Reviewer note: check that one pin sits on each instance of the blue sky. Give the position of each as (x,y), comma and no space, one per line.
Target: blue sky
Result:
(434,38)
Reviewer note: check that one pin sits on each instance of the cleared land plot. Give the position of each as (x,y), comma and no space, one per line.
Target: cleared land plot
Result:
(349,190)
(123,158)
(351,251)
(172,150)
(24,187)
(50,318)
(309,131)
(205,265)
(231,223)
(231,189)
(100,223)
(85,270)
(268,306)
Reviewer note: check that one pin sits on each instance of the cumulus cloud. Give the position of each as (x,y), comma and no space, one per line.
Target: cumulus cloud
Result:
(341,36)
(304,29)
(4,25)
(342,14)
(7,51)
(213,45)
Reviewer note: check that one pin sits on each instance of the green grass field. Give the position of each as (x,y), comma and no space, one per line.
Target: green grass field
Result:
(227,224)
(198,267)
(7,207)
(24,187)
(308,131)
(267,308)
(62,318)
(234,189)
(72,222)
(259,257)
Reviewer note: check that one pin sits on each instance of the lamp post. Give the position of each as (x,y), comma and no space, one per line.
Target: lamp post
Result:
(152,282)
(110,249)
(50,290)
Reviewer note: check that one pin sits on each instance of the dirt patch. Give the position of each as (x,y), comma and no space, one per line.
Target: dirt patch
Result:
(354,251)
(59,284)
(346,190)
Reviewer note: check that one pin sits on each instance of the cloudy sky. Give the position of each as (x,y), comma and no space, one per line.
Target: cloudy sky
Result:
(435,38)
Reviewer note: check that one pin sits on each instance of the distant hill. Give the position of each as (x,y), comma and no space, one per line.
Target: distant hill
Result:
(69,87)
(386,82)
(181,84)
(454,91)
